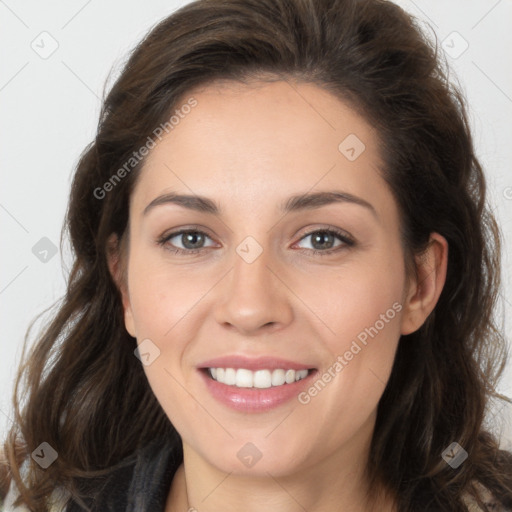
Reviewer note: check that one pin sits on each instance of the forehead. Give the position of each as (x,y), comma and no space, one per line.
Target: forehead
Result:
(262,141)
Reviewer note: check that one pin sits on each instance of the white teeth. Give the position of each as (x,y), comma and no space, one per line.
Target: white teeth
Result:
(244,378)
(230,376)
(289,376)
(302,374)
(278,378)
(261,379)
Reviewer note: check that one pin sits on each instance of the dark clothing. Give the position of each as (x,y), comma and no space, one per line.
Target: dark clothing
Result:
(142,486)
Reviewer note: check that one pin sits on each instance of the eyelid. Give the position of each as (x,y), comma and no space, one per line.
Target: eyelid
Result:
(342,235)
(347,240)
(164,238)
(329,229)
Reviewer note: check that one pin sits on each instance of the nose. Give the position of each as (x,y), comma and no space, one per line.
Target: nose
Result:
(253,297)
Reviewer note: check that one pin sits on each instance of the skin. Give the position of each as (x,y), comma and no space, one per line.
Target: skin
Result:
(248,148)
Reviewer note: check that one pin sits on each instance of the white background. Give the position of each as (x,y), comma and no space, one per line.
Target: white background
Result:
(49,109)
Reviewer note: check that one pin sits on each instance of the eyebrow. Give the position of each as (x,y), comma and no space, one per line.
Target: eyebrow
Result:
(294,203)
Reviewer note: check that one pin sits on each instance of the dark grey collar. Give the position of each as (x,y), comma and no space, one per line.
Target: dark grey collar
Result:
(142,485)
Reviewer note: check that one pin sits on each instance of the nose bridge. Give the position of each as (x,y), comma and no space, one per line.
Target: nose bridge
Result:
(253,296)
(251,268)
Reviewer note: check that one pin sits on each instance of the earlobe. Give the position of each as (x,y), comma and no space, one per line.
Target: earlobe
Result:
(128,321)
(117,273)
(424,291)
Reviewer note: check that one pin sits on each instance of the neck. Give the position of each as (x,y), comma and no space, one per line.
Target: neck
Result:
(337,483)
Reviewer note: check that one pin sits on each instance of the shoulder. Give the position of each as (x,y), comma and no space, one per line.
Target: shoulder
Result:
(141,484)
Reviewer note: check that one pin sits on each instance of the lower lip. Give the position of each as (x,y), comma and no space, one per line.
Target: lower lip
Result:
(254,399)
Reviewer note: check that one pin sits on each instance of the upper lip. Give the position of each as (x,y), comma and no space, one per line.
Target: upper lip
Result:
(254,363)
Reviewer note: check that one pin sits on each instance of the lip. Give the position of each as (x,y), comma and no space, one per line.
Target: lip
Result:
(254,400)
(254,363)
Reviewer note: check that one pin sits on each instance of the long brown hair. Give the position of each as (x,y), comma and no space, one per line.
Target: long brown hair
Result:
(87,395)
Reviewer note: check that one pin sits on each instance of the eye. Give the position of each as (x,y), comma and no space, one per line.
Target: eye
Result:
(323,240)
(191,240)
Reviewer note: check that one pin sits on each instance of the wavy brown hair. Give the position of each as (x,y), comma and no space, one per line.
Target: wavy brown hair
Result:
(87,395)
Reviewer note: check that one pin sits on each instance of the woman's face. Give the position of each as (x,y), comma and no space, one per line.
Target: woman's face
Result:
(255,299)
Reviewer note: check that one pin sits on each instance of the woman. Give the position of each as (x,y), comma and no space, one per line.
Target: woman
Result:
(209,348)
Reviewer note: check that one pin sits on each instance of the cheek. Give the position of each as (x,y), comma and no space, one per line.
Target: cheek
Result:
(160,302)
(360,301)
(160,299)
(365,316)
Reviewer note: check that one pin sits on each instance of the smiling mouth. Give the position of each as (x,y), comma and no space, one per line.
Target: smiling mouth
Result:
(259,379)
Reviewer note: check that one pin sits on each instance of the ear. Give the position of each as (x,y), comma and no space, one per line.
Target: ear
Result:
(424,290)
(117,268)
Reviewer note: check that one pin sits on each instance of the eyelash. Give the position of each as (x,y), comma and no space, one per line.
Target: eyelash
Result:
(341,235)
